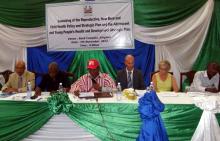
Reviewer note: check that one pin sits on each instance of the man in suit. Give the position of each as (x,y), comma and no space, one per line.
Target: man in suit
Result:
(130,77)
(18,80)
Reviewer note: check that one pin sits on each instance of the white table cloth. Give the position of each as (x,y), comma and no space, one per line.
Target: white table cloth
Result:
(207,130)
(208,127)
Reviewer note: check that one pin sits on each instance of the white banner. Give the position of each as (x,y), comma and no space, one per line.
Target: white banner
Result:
(90,25)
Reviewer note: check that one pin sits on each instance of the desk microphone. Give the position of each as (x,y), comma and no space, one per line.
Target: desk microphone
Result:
(93,81)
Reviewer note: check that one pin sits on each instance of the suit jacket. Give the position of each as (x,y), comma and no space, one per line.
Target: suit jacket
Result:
(13,81)
(138,81)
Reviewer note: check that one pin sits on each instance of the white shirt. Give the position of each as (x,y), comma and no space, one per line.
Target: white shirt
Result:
(201,81)
(131,74)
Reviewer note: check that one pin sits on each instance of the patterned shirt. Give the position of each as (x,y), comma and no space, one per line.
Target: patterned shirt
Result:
(84,83)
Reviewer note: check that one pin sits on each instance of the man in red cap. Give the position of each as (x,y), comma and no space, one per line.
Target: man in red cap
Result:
(93,81)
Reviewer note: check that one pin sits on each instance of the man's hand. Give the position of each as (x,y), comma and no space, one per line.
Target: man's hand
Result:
(37,93)
(212,90)
(10,90)
(76,93)
(97,86)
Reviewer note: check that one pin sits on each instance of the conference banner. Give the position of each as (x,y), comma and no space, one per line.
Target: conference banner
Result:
(104,25)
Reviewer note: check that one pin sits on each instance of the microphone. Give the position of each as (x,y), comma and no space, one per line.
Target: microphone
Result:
(93,81)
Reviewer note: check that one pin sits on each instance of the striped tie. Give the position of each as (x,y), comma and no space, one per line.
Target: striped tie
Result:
(19,82)
(130,83)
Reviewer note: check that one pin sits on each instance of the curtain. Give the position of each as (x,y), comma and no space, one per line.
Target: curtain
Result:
(79,63)
(147,12)
(107,121)
(24,13)
(14,41)
(122,122)
(157,13)
(144,58)
(18,119)
(211,48)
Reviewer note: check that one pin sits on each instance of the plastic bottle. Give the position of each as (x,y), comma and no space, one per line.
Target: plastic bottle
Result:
(148,89)
(118,93)
(151,86)
(60,89)
(29,90)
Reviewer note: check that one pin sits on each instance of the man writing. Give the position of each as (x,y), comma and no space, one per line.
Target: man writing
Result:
(50,82)
(93,81)
(18,80)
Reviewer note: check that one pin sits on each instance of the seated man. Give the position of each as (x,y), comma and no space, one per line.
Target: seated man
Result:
(206,80)
(130,77)
(93,81)
(18,80)
(50,82)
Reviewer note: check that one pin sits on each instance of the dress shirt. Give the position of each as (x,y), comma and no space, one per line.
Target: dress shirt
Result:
(201,81)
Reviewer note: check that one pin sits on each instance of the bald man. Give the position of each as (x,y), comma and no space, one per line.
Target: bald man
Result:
(18,80)
(129,77)
(206,81)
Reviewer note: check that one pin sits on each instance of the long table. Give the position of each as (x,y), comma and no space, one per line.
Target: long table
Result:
(107,119)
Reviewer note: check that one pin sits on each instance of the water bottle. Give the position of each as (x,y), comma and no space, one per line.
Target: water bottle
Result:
(151,86)
(60,89)
(29,90)
(118,93)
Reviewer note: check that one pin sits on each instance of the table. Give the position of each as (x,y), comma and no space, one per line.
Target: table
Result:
(120,117)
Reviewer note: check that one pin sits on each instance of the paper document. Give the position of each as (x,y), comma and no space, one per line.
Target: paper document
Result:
(168,94)
(86,94)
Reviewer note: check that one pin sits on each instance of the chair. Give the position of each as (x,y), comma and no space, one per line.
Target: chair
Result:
(219,77)
(189,75)
(6,74)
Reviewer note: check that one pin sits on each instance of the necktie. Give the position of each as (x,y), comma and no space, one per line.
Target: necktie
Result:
(130,83)
(19,82)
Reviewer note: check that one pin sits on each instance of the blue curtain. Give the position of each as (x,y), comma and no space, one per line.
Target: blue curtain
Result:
(38,59)
(144,58)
